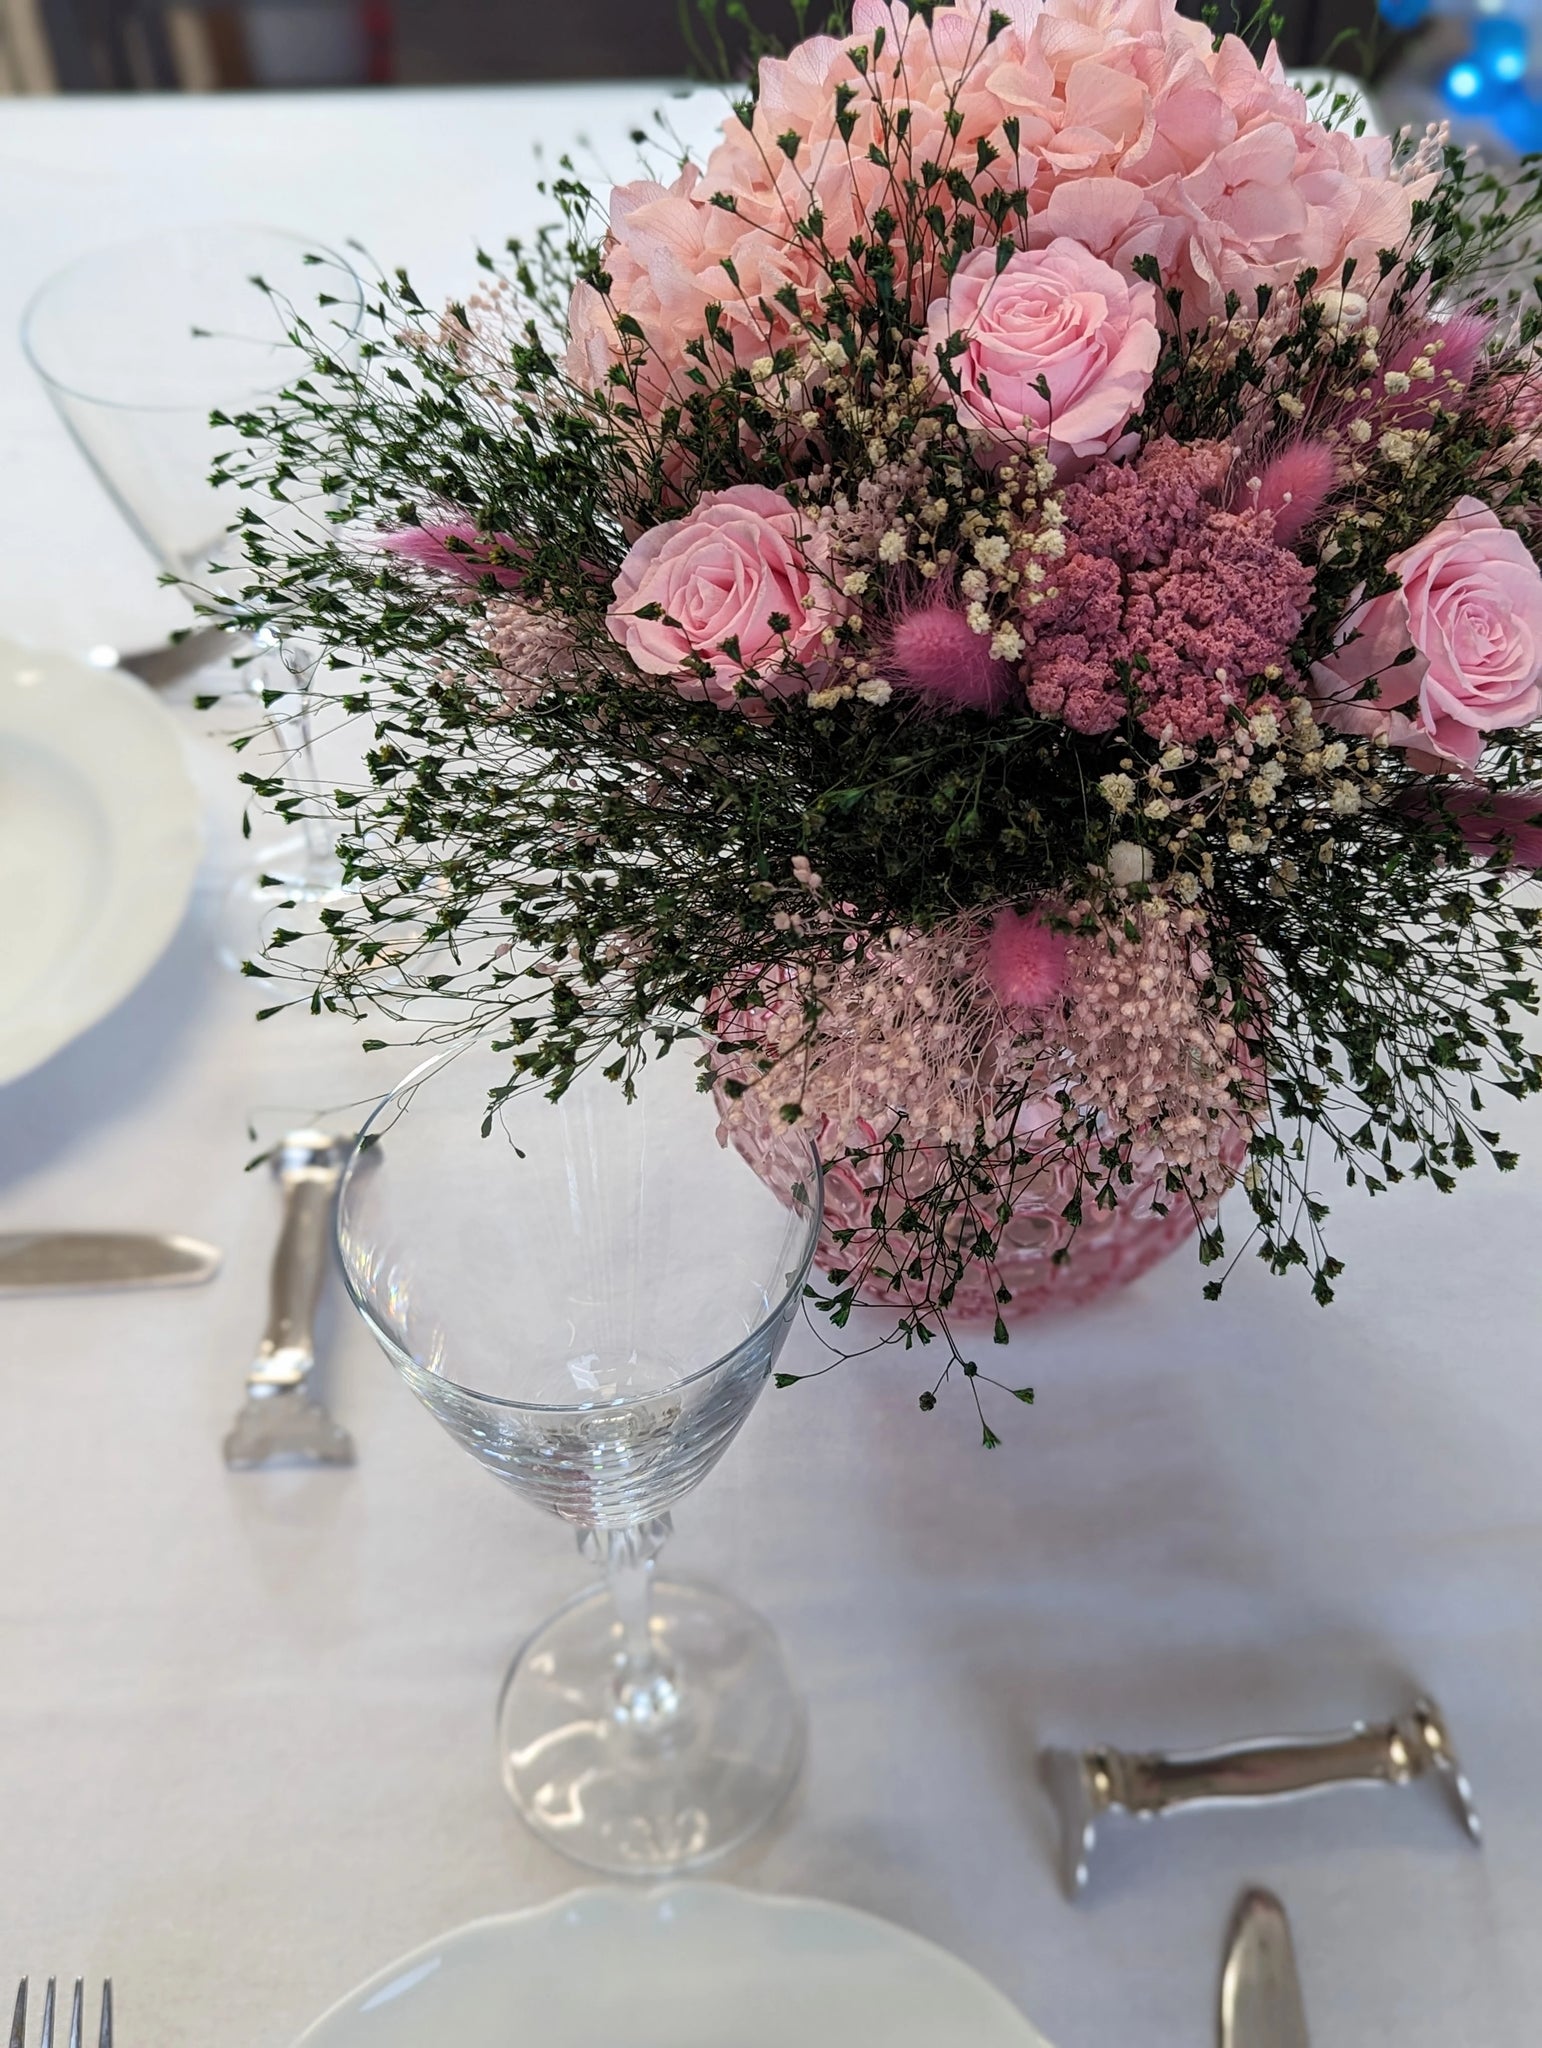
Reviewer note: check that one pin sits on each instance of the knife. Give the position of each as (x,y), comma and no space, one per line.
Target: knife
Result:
(159,666)
(85,1261)
(1260,1991)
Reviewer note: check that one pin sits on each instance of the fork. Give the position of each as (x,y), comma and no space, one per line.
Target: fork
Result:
(77,2016)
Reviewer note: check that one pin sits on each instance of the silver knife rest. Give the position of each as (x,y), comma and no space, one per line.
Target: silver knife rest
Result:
(1085,1785)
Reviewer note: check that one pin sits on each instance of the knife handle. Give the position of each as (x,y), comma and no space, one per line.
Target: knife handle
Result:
(309,1179)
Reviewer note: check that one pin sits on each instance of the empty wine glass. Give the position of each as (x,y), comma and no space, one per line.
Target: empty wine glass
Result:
(590,1298)
(137,345)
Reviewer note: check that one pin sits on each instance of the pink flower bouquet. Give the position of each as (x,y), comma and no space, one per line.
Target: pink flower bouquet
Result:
(1002,607)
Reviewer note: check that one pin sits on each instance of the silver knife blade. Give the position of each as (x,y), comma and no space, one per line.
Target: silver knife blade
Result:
(159,666)
(1261,2004)
(77,1261)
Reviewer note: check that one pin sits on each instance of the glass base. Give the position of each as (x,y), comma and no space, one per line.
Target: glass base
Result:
(642,1779)
(285,889)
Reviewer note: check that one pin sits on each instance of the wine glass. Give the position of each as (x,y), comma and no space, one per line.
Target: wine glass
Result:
(137,345)
(590,1295)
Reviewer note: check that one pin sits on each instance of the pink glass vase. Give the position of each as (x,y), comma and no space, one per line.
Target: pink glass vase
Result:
(1107,1250)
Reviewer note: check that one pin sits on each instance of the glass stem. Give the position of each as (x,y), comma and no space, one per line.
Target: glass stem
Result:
(301,664)
(287,670)
(645,1688)
(302,770)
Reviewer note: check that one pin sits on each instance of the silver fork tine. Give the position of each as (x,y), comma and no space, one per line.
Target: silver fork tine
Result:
(77,2011)
(46,2040)
(105,2039)
(19,2020)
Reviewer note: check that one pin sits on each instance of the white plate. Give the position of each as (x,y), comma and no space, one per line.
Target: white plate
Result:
(689,1966)
(99,843)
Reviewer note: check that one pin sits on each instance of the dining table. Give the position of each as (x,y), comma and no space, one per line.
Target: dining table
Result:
(246,1747)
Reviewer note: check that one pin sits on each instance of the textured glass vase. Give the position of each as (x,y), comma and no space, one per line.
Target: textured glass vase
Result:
(1107,1250)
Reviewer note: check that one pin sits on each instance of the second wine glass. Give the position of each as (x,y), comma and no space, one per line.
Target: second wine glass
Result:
(137,345)
(590,1298)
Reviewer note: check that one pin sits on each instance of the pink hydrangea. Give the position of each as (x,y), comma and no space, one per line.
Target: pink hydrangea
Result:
(665,259)
(1164,603)
(1137,135)
(1165,143)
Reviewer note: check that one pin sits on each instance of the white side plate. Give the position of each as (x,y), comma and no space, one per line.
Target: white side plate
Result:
(99,844)
(689,1966)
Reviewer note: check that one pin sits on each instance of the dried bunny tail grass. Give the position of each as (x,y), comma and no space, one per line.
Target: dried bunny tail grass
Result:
(903,1027)
(1156,1059)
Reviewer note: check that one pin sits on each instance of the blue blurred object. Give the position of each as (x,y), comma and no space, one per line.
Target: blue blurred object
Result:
(1499,47)
(1495,79)
(1404,14)
(1519,121)
(1465,84)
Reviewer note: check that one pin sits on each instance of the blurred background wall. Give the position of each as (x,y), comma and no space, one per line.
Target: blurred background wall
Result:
(1477,63)
(126,45)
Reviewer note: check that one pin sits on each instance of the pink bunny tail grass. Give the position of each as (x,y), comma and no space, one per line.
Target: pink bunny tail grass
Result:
(934,651)
(1025,962)
(1452,348)
(1463,338)
(456,548)
(1294,485)
(1485,818)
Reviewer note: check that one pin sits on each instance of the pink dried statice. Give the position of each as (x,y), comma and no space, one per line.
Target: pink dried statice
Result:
(1163,602)
(533,650)
(1137,513)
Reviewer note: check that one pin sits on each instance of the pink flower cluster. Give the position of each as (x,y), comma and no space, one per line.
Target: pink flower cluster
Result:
(1136,134)
(533,650)
(1162,597)
(1151,1058)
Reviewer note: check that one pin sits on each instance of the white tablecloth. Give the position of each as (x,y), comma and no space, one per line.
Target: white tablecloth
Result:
(245,1722)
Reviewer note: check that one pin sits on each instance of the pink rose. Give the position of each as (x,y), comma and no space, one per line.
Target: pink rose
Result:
(1470,607)
(733,591)
(1056,319)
